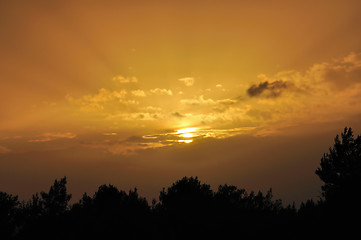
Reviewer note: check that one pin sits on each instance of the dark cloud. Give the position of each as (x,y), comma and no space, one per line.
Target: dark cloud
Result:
(177,114)
(268,89)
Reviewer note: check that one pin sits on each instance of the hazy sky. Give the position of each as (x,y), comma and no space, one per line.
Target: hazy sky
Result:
(142,93)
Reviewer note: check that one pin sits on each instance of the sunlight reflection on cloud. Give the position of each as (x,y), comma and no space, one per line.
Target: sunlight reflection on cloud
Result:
(165,138)
(188,135)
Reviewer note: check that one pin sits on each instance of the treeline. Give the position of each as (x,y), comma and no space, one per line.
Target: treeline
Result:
(189,209)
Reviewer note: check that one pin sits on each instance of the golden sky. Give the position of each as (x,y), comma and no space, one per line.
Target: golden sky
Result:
(142,93)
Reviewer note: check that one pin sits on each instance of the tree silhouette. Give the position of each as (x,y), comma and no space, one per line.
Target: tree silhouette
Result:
(111,212)
(8,208)
(56,200)
(254,214)
(340,169)
(35,206)
(184,192)
(189,209)
(46,216)
(186,196)
(186,208)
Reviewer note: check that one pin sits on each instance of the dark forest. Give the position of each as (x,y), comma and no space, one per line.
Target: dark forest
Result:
(189,209)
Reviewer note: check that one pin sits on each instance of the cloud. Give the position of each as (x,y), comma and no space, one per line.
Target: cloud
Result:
(177,114)
(4,150)
(268,89)
(102,96)
(188,81)
(202,101)
(121,79)
(326,92)
(153,109)
(46,137)
(139,93)
(98,102)
(340,72)
(189,135)
(136,116)
(320,79)
(287,97)
(227,101)
(197,101)
(160,91)
(131,148)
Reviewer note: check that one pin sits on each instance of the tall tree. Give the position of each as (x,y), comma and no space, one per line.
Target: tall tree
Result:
(56,200)
(340,169)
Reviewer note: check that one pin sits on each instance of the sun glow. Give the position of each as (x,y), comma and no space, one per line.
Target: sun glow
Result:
(185,141)
(186,130)
(187,135)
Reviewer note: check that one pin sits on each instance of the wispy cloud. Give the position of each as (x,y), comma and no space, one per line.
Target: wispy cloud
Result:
(130,146)
(98,101)
(201,100)
(4,150)
(162,91)
(122,79)
(340,72)
(188,81)
(138,93)
(198,101)
(46,137)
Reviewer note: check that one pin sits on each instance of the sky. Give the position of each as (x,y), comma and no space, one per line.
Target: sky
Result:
(143,93)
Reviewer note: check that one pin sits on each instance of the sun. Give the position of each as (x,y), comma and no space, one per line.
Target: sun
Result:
(185,141)
(187,133)
(186,130)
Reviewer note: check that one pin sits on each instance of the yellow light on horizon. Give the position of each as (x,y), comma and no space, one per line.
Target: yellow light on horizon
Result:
(185,141)
(186,130)
(187,135)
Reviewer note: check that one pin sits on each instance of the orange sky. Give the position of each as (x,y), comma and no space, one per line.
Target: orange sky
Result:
(142,93)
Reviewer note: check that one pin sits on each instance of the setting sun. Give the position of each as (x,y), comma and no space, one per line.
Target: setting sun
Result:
(185,141)
(186,130)
(187,135)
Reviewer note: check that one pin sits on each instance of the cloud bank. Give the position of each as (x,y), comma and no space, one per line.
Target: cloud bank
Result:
(325,92)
